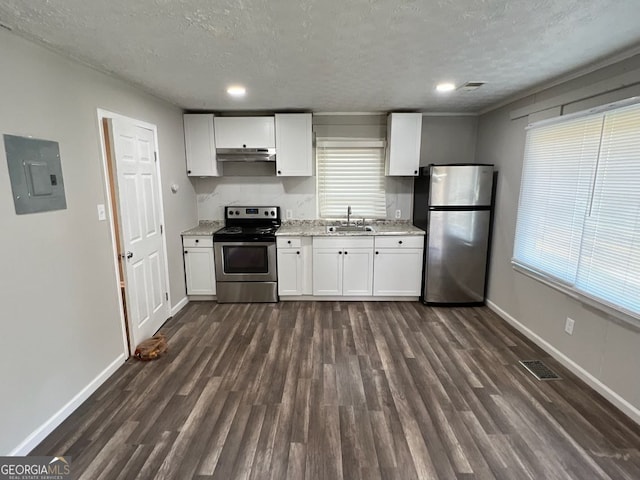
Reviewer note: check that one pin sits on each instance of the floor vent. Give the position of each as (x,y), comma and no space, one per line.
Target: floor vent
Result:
(539,370)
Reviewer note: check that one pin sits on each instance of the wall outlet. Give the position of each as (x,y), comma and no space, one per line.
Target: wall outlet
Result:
(289,214)
(568,325)
(398,213)
(102,214)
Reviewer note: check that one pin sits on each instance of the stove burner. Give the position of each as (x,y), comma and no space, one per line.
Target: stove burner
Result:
(264,229)
(231,230)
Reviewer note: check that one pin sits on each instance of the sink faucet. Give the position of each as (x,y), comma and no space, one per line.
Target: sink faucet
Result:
(348,215)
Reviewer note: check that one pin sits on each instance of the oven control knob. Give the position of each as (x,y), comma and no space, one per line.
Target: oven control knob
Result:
(266,213)
(237,212)
(230,212)
(273,214)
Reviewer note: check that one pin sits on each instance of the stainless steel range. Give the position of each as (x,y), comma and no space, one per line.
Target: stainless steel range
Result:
(245,255)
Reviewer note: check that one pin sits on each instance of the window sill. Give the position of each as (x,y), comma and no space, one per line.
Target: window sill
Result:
(612,313)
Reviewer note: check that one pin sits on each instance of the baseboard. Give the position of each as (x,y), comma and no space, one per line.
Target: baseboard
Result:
(179,306)
(312,298)
(202,298)
(47,427)
(619,402)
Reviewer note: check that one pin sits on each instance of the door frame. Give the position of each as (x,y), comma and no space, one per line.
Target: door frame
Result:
(127,339)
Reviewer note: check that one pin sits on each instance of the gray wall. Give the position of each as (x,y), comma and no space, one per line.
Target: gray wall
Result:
(448,139)
(605,348)
(61,324)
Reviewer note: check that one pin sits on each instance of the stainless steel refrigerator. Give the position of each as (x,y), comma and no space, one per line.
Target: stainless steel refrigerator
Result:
(454,205)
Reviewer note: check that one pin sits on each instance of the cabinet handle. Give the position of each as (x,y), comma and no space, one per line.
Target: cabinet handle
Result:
(188,171)
(197,240)
(297,253)
(377,253)
(279,172)
(339,253)
(346,253)
(400,242)
(186,251)
(415,172)
(289,242)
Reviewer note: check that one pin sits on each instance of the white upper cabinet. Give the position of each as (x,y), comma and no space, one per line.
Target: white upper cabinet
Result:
(200,145)
(404,132)
(294,149)
(245,132)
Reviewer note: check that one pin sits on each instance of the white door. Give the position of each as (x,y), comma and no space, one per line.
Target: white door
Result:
(200,271)
(357,277)
(244,132)
(133,148)
(289,271)
(294,144)
(397,272)
(327,271)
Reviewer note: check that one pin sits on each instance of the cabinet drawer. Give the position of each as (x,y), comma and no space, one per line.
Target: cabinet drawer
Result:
(400,241)
(288,242)
(197,241)
(343,242)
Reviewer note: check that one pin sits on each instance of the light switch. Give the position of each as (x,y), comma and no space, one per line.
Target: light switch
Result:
(102,213)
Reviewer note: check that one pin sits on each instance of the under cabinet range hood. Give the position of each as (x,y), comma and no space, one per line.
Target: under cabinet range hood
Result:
(246,154)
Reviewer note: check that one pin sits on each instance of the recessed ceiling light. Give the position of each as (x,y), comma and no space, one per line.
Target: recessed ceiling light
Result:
(236,91)
(445,87)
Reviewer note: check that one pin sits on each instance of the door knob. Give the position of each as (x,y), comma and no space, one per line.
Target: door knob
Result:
(129,254)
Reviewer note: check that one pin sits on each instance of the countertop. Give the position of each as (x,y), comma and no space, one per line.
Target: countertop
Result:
(205,227)
(317,228)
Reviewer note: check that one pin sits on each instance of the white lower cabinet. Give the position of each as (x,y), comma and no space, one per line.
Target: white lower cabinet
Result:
(398,266)
(343,266)
(356,266)
(199,266)
(294,266)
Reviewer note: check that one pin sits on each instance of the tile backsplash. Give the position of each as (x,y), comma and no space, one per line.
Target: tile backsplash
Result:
(297,194)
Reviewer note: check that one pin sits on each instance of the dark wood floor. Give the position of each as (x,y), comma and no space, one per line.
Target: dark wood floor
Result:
(344,390)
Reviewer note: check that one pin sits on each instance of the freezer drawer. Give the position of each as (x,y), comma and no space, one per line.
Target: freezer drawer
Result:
(456,257)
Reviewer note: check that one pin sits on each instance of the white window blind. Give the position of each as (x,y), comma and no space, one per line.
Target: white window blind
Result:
(350,173)
(610,261)
(579,211)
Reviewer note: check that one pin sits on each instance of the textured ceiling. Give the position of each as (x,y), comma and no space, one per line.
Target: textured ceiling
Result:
(331,55)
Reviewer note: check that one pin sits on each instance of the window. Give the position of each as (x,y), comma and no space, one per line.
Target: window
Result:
(350,172)
(579,213)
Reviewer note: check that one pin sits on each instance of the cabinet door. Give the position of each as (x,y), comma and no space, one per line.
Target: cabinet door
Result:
(397,272)
(357,276)
(290,271)
(327,271)
(199,270)
(293,145)
(200,145)
(245,132)
(404,133)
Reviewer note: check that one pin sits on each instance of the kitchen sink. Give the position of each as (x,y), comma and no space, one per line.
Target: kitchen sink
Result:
(349,228)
